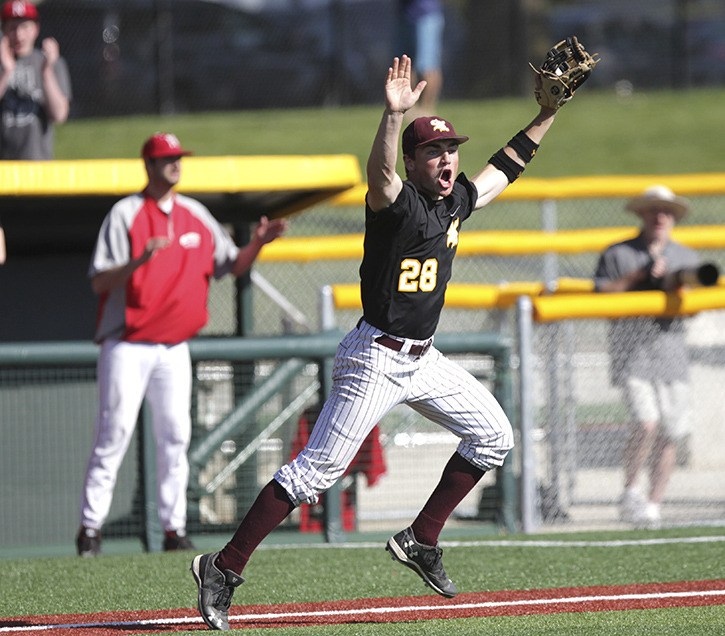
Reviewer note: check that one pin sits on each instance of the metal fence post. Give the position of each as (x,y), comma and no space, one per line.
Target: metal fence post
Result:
(151,527)
(524,327)
(332,507)
(506,479)
(556,402)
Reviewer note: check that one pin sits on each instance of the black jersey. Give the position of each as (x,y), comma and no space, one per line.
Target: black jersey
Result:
(408,258)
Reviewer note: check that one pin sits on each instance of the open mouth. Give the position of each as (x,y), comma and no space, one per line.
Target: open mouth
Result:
(446,177)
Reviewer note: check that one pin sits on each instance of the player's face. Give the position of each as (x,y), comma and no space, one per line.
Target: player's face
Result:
(657,223)
(434,167)
(21,35)
(165,171)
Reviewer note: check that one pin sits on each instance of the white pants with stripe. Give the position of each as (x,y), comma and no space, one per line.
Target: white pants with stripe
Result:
(128,372)
(368,381)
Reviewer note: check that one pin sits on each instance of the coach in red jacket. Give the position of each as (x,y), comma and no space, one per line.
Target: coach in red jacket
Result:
(154,257)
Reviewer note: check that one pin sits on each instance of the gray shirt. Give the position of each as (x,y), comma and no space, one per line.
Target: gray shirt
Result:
(25,131)
(652,349)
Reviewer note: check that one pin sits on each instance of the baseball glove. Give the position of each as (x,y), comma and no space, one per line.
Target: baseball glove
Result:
(564,69)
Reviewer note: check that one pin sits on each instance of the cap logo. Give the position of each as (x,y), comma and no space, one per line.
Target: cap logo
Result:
(17,9)
(439,125)
(172,140)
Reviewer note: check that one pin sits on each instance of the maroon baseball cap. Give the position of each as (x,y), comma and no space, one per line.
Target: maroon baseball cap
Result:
(163,145)
(19,10)
(424,130)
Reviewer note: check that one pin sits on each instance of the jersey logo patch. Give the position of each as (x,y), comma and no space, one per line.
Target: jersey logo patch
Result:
(452,234)
(190,240)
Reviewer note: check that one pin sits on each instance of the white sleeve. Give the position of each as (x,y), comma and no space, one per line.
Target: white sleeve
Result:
(112,246)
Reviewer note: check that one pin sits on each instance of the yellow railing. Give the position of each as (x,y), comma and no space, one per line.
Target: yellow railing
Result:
(628,304)
(571,298)
(604,186)
(474,296)
(496,243)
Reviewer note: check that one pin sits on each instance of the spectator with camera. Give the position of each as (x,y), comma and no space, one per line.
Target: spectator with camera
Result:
(648,355)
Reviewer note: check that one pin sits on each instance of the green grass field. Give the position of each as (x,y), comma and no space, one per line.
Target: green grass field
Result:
(657,132)
(280,574)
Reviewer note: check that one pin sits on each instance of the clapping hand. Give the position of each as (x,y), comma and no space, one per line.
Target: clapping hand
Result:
(7,57)
(51,51)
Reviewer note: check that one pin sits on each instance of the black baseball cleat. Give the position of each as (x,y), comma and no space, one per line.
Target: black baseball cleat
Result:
(177,540)
(215,590)
(88,542)
(424,560)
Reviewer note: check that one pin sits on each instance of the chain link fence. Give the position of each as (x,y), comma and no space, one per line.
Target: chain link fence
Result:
(581,420)
(48,412)
(581,425)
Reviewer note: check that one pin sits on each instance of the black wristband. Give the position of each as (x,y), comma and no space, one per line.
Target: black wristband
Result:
(505,164)
(524,147)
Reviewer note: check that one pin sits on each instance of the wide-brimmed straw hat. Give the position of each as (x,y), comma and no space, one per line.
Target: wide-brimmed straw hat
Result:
(659,196)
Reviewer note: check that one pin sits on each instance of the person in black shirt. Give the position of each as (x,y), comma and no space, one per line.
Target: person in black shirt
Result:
(411,236)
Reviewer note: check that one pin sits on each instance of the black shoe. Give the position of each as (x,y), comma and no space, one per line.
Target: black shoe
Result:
(88,542)
(177,540)
(215,590)
(424,560)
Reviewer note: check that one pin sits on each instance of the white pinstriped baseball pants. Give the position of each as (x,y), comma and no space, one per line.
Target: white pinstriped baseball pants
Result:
(368,381)
(128,371)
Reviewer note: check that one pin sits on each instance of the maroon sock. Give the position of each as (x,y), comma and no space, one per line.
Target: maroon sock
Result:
(459,477)
(269,510)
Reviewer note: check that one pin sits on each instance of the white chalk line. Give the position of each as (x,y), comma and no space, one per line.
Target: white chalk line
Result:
(507,543)
(565,600)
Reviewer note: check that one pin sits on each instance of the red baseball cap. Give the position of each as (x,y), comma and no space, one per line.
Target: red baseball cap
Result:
(163,145)
(424,130)
(19,10)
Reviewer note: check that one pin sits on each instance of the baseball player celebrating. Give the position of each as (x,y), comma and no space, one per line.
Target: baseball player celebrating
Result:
(153,259)
(411,236)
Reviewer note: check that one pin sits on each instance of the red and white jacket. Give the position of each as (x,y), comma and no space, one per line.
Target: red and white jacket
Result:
(165,299)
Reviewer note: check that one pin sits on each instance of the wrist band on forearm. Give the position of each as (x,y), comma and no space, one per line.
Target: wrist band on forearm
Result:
(524,147)
(505,164)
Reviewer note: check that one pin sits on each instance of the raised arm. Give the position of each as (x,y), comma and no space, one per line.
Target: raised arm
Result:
(384,184)
(566,66)
(509,162)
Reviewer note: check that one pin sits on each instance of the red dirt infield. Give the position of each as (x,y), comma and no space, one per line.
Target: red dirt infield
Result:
(380,610)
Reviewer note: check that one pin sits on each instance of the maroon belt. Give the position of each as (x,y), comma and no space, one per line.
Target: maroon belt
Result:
(397,345)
